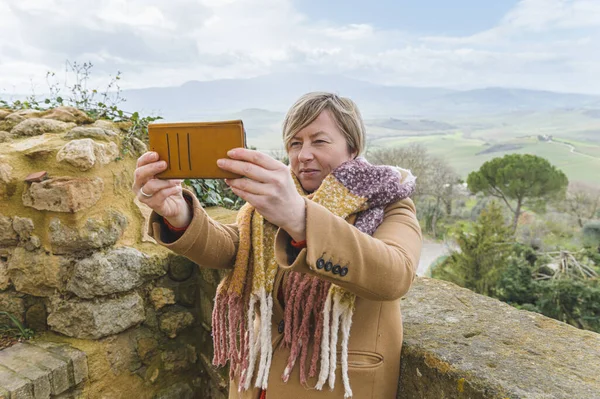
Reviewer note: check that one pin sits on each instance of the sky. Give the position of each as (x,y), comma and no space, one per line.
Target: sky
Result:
(461,44)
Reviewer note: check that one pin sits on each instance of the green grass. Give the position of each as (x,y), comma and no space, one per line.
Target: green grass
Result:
(462,152)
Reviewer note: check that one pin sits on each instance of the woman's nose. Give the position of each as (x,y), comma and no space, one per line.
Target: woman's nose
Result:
(305,154)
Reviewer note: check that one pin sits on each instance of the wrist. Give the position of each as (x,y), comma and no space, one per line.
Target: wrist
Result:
(297,226)
(184,218)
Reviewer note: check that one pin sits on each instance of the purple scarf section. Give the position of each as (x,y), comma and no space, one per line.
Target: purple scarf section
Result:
(381,185)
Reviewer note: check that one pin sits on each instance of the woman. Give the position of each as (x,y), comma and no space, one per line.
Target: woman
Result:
(319,258)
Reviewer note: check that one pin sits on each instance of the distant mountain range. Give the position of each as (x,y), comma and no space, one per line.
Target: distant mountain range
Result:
(276,92)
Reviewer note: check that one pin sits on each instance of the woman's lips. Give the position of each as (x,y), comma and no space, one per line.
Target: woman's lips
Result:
(309,172)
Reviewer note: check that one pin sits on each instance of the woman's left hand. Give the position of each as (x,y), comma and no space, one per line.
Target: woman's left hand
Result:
(268,186)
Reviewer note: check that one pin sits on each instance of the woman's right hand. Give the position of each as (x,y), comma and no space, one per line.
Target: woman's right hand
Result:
(163,196)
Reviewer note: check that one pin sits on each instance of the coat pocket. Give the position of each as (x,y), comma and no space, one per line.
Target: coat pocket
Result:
(361,359)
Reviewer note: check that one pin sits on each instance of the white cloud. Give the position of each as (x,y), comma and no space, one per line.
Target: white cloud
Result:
(544,44)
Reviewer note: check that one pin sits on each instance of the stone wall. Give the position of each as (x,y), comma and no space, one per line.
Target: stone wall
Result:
(77,266)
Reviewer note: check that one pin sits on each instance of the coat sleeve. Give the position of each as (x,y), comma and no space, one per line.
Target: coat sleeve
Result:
(381,267)
(206,242)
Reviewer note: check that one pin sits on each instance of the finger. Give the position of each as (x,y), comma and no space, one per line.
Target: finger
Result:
(155,185)
(146,158)
(147,172)
(159,198)
(249,186)
(255,157)
(254,172)
(252,199)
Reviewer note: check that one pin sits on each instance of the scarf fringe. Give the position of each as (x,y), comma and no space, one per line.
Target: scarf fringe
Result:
(317,313)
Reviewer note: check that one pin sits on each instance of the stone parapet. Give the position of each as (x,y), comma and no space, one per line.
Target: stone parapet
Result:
(458,344)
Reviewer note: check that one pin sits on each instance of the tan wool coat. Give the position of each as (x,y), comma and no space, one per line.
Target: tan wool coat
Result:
(381,269)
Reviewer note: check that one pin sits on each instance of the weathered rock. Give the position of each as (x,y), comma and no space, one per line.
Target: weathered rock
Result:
(146,348)
(36,273)
(32,144)
(180,358)
(67,114)
(63,194)
(180,390)
(85,153)
(23,227)
(32,243)
(38,126)
(180,268)
(138,146)
(14,119)
(8,183)
(186,293)
(13,304)
(36,176)
(175,320)
(4,278)
(95,319)
(28,113)
(8,236)
(106,125)
(4,113)
(5,137)
(92,132)
(95,234)
(118,270)
(464,345)
(35,317)
(161,296)
(121,353)
(145,212)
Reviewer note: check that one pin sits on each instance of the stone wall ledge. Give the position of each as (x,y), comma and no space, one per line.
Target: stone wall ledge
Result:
(40,370)
(458,344)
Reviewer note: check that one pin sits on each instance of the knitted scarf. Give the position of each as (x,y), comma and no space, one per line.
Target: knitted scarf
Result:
(314,309)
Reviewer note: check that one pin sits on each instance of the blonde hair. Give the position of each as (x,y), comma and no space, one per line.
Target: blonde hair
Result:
(343,110)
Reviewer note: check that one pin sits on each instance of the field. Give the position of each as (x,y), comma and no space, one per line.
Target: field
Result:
(467,154)
(466,143)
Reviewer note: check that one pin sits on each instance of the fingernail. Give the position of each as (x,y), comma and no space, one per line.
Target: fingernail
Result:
(231,152)
(220,162)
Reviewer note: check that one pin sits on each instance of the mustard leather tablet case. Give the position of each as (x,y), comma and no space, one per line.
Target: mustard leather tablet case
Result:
(192,149)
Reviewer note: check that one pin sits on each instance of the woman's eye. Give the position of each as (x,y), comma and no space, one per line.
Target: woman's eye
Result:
(320,141)
(295,144)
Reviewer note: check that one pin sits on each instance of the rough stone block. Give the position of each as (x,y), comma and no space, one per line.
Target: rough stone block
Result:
(95,319)
(118,270)
(8,236)
(38,126)
(174,321)
(63,194)
(23,227)
(92,132)
(95,234)
(36,273)
(7,180)
(86,153)
(67,114)
(161,297)
(4,278)
(12,303)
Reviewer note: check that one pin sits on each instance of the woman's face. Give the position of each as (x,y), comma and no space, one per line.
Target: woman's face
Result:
(316,150)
